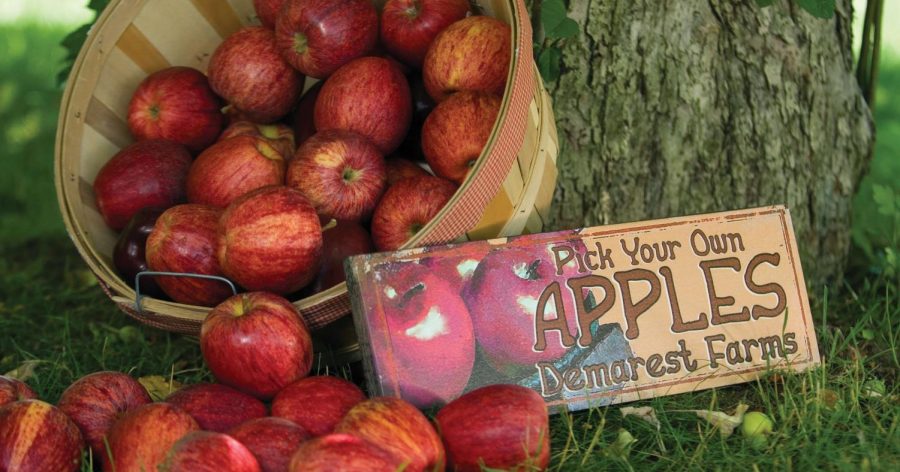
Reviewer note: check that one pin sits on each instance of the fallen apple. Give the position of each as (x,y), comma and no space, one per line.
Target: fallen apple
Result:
(498,427)
(344,453)
(13,390)
(38,436)
(141,438)
(96,401)
(271,440)
(333,397)
(399,428)
(217,407)
(204,451)
(257,343)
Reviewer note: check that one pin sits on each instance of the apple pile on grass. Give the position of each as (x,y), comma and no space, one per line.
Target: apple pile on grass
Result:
(239,174)
(265,413)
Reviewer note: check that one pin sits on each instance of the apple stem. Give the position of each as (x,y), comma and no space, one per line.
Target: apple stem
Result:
(300,45)
(331,224)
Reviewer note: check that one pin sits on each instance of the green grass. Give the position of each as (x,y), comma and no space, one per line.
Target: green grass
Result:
(52,311)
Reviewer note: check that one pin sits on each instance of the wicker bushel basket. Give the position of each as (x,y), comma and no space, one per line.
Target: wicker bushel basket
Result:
(508,191)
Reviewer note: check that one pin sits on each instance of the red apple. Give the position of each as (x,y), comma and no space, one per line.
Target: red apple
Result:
(146,174)
(232,168)
(271,440)
(129,253)
(398,168)
(471,54)
(267,11)
(406,207)
(216,407)
(204,451)
(345,239)
(319,36)
(270,239)
(408,27)
(333,397)
(176,104)
(140,439)
(498,427)
(304,115)
(184,240)
(503,297)
(433,343)
(340,172)
(345,453)
(369,96)
(95,401)
(456,131)
(248,71)
(280,136)
(13,390)
(399,428)
(257,343)
(37,436)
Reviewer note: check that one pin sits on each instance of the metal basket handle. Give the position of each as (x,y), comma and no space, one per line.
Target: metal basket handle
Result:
(138,296)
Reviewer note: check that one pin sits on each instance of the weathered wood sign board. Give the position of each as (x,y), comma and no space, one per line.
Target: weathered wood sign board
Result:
(588,317)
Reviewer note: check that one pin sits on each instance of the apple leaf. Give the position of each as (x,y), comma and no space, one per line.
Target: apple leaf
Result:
(819,8)
(73,41)
(884,199)
(645,413)
(548,63)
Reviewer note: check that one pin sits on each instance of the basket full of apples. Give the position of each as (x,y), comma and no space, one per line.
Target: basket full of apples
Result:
(257,144)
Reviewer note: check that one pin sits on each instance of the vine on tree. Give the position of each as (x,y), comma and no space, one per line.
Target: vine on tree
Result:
(554,27)
(819,8)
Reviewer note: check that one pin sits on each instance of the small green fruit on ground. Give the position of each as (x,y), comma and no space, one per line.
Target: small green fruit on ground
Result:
(755,427)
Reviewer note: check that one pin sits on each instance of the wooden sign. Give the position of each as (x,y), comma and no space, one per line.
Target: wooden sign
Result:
(588,317)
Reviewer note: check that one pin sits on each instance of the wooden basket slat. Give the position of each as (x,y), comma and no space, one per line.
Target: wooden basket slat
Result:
(136,46)
(544,196)
(93,144)
(174,23)
(114,88)
(149,35)
(220,15)
(106,123)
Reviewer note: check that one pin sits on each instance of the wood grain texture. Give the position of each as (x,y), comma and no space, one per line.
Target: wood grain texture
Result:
(707,106)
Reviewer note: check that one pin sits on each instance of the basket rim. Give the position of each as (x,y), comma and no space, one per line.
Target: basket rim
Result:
(94,260)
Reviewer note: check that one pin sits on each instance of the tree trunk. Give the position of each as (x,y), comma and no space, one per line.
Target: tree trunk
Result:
(676,108)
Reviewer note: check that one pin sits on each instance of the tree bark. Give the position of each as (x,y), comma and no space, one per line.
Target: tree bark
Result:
(684,107)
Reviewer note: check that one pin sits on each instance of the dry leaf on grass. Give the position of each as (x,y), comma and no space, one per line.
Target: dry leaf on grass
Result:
(24,371)
(725,422)
(159,387)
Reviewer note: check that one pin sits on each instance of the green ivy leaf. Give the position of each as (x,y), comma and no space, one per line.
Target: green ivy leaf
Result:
(567,28)
(553,12)
(548,64)
(819,8)
(765,3)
